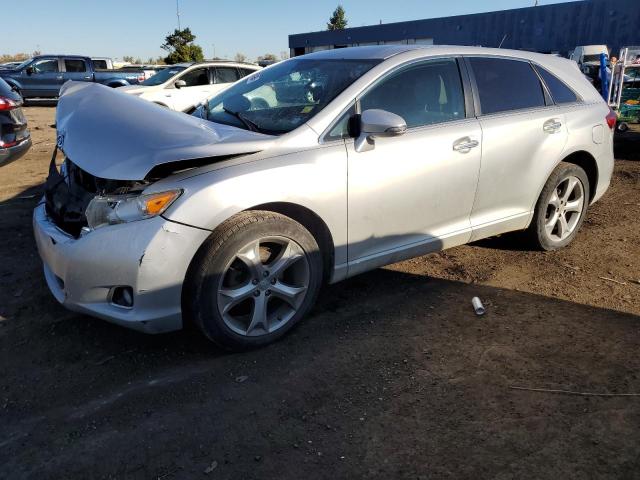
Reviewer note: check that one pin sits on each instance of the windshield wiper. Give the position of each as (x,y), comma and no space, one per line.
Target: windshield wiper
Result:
(245,121)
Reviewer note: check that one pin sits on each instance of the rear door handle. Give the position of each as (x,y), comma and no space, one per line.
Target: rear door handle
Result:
(465,144)
(552,126)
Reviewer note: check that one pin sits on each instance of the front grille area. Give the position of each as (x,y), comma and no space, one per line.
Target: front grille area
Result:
(66,199)
(69,190)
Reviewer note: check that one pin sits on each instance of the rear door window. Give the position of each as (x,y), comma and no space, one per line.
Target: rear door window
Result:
(245,71)
(74,65)
(560,92)
(505,85)
(100,64)
(196,77)
(226,75)
(46,65)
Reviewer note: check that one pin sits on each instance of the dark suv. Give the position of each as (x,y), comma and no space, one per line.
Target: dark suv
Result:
(14,135)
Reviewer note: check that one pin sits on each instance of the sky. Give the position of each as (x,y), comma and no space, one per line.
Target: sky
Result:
(115,28)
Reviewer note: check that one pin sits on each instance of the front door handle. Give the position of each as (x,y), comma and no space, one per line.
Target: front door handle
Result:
(464,145)
(552,126)
(60,77)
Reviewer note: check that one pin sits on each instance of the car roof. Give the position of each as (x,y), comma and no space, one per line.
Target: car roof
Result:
(383,52)
(369,52)
(59,55)
(213,63)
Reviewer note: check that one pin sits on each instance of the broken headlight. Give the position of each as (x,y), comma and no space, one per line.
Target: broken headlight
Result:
(112,209)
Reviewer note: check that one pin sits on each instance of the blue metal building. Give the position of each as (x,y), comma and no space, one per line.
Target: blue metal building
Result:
(547,28)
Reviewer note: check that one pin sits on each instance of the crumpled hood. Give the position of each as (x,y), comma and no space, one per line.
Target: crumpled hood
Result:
(121,137)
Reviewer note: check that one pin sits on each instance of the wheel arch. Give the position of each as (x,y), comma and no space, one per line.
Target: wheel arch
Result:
(588,163)
(312,222)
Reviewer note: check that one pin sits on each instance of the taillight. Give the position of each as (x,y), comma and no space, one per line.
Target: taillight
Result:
(141,78)
(611,119)
(7,104)
(7,144)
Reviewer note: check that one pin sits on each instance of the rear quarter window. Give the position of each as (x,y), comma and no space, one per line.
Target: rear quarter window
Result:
(505,85)
(559,91)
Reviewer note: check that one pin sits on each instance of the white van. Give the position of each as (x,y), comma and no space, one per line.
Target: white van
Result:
(588,54)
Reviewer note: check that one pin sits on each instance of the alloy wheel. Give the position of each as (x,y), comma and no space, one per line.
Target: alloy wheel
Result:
(564,208)
(263,286)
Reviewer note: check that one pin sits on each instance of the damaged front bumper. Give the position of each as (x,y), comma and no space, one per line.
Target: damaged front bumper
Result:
(150,256)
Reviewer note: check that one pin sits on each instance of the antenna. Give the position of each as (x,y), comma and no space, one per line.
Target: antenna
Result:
(178,12)
(502,41)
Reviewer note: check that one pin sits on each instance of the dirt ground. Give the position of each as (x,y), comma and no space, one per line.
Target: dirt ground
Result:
(392,376)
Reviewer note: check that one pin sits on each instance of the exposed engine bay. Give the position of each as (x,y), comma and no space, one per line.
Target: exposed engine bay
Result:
(69,190)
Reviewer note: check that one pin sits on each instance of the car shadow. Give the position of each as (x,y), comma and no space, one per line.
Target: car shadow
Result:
(627,144)
(391,375)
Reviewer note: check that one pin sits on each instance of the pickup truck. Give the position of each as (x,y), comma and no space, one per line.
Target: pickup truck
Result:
(43,75)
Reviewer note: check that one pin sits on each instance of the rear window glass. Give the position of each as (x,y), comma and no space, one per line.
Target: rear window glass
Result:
(225,75)
(559,91)
(73,65)
(505,85)
(245,71)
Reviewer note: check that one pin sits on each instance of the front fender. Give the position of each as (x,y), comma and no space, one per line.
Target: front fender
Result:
(315,179)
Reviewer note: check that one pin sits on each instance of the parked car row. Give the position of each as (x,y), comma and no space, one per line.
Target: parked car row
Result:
(178,87)
(43,76)
(309,171)
(185,85)
(14,135)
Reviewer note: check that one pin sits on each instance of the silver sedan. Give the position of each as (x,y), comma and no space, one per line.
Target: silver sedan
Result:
(311,171)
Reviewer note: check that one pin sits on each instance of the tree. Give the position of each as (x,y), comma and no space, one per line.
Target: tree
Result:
(284,55)
(267,57)
(240,57)
(128,59)
(181,48)
(338,21)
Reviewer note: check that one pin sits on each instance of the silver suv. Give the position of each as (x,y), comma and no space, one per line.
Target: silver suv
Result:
(312,170)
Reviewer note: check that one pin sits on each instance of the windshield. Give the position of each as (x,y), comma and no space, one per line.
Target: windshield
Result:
(162,76)
(591,58)
(23,64)
(283,97)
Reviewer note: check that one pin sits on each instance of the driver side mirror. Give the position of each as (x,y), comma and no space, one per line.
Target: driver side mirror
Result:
(378,123)
(29,70)
(180,84)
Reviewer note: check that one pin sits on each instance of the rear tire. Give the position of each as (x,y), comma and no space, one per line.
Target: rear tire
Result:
(253,280)
(561,208)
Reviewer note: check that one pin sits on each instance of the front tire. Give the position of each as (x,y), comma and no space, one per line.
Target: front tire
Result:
(253,280)
(561,208)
